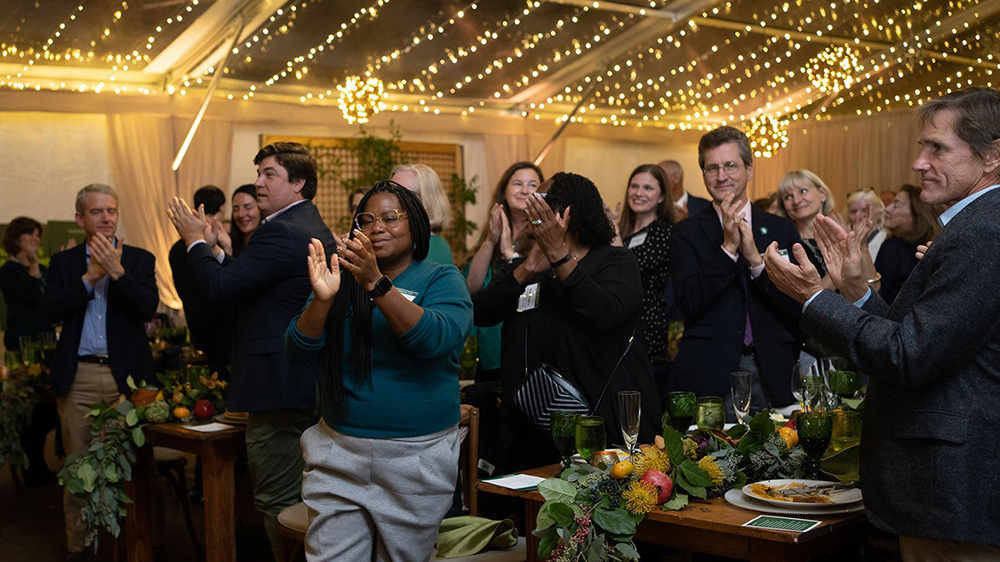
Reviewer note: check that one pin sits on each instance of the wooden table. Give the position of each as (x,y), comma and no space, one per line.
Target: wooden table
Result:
(218,451)
(712,527)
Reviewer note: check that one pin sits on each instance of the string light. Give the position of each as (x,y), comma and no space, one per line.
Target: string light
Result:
(834,68)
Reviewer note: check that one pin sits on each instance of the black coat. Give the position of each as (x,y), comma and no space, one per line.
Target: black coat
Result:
(23,295)
(203,320)
(132,300)
(896,259)
(696,205)
(268,284)
(709,294)
(581,327)
(929,452)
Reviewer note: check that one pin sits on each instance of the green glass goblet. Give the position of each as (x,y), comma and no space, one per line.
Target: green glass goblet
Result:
(680,410)
(815,430)
(564,433)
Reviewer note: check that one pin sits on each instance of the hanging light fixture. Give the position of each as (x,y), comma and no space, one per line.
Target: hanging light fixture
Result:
(767,135)
(360,98)
(834,68)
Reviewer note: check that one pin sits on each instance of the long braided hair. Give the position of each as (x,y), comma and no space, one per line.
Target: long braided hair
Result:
(352,300)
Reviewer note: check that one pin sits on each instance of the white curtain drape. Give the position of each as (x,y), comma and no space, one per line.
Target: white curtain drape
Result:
(142,149)
(848,153)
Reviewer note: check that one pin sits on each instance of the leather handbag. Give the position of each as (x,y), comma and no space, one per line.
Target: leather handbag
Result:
(544,391)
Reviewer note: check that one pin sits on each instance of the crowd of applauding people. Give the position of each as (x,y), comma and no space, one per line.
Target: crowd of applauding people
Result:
(344,349)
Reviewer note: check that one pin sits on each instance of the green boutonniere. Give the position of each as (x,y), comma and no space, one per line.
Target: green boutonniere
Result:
(763,230)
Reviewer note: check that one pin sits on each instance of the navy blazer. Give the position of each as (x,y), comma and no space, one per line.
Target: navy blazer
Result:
(268,283)
(929,452)
(696,205)
(709,294)
(132,300)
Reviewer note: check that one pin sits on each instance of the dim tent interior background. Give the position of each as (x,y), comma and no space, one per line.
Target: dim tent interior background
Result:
(106,91)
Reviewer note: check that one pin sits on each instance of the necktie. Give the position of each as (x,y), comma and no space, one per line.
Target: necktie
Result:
(748,330)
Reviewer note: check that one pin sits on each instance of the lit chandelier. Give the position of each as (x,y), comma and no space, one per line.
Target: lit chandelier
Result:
(834,68)
(767,135)
(360,98)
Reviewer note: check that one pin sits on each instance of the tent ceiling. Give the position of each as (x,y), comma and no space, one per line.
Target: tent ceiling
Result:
(671,63)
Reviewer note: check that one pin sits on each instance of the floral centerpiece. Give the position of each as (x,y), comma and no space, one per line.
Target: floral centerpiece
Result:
(591,512)
(98,473)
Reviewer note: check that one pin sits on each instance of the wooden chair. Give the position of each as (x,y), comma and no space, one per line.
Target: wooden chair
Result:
(294,521)
(171,464)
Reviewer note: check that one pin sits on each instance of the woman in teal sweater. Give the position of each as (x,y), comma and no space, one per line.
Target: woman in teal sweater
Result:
(381,465)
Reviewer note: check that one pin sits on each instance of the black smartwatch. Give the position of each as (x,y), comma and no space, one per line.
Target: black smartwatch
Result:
(382,286)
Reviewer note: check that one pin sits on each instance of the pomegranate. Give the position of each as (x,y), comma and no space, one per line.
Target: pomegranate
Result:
(662,482)
(203,409)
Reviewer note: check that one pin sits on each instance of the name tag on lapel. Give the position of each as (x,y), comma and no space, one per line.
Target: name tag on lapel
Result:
(529,298)
(637,240)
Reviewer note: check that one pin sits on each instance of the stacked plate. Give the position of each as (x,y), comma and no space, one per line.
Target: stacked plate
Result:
(797,497)
(238,418)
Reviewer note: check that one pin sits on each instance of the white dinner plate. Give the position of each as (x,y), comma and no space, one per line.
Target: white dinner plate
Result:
(836,497)
(737,498)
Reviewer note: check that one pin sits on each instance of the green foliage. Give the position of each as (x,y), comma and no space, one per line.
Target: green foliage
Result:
(98,473)
(376,157)
(20,392)
(464,194)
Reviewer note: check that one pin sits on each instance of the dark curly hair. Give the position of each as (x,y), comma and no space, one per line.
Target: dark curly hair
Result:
(352,298)
(587,219)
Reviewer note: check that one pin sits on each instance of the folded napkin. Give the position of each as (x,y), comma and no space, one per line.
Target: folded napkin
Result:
(468,535)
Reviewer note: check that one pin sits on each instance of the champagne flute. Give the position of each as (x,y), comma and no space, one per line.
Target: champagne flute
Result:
(29,350)
(629,412)
(815,430)
(590,436)
(741,394)
(564,433)
(681,407)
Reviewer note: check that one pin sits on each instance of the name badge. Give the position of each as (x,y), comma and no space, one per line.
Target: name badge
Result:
(410,295)
(637,240)
(529,298)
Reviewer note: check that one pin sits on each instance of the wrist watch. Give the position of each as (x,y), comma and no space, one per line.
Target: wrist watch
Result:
(382,286)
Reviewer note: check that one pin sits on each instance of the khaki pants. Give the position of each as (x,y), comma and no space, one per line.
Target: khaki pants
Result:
(934,550)
(93,384)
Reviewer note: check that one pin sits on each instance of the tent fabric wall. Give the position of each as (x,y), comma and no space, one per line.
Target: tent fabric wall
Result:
(847,153)
(142,149)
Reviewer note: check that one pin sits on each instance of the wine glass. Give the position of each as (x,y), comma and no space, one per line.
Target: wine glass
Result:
(681,407)
(741,394)
(48,343)
(590,436)
(802,372)
(564,433)
(710,413)
(29,350)
(815,430)
(629,412)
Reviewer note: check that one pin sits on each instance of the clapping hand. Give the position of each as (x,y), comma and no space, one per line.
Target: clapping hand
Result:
(325,280)
(190,226)
(222,236)
(800,281)
(548,228)
(843,256)
(358,257)
(106,256)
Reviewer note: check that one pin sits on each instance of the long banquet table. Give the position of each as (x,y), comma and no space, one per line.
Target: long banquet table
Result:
(712,527)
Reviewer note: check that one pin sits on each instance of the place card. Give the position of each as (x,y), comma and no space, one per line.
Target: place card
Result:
(782,523)
(520,482)
(209,427)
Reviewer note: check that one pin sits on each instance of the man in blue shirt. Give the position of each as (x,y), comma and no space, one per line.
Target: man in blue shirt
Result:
(102,291)
(934,355)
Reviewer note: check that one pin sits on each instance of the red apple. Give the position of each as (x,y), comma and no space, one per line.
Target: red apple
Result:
(662,482)
(203,410)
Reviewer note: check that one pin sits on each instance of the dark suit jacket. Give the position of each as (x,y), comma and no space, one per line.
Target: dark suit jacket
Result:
(930,454)
(203,319)
(697,204)
(711,297)
(132,300)
(23,295)
(268,284)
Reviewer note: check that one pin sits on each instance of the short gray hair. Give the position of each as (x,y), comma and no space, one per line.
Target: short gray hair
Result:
(978,116)
(81,196)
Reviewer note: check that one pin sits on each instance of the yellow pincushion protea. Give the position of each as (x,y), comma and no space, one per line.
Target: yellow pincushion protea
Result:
(651,458)
(711,466)
(640,497)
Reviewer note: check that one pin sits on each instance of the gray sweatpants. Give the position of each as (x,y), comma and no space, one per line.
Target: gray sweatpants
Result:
(376,499)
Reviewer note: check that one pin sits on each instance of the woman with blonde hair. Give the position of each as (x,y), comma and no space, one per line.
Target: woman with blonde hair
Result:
(424,182)
(803,196)
(859,204)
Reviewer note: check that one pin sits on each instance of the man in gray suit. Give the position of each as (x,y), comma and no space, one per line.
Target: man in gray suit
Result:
(930,454)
